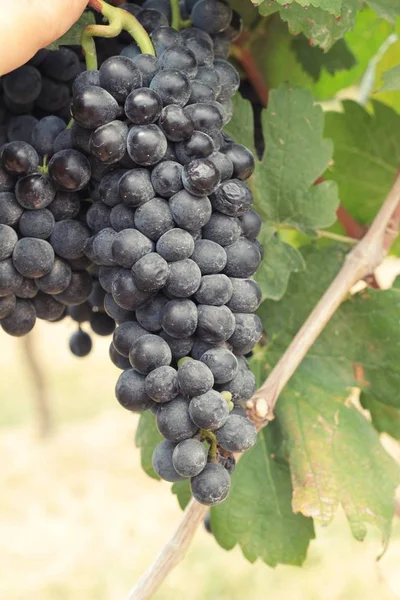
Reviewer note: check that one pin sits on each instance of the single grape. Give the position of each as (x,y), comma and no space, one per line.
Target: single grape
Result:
(163,38)
(119,76)
(118,360)
(35,191)
(183,278)
(102,324)
(205,117)
(47,307)
(33,257)
(154,218)
(131,51)
(21,320)
(200,177)
(162,461)
(201,92)
(27,288)
(122,217)
(108,142)
(200,347)
(70,170)
(80,343)
(243,258)
(57,279)
(232,198)
(125,335)
(215,323)
(178,57)
(189,458)
(173,420)
(221,46)
(63,141)
(214,290)
(242,160)
(199,145)
(148,66)
(179,347)
(135,187)
(93,106)
(152,19)
(107,276)
(246,295)
(194,378)
(8,239)
(180,318)
(23,85)
(80,313)
(202,49)
(62,65)
(172,86)
(7,181)
(143,106)
(237,434)
(69,238)
(228,77)
(242,386)
(130,391)
(212,16)
(128,246)
(148,353)
(146,144)
(37,223)
(98,217)
(84,80)
(150,316)
(7,305)
(190,212)
(53,96)
(20,128)
(175,124)
(222,229)
(78,290)
(162,384)
(222,363)
(66,205)
(209,256)
(209,410)
(212,485)
(151,272)
(175,245)
(19,158)
(45,132)
(109,187)
(251,224)
(126,293)
(209,76)
(166,178)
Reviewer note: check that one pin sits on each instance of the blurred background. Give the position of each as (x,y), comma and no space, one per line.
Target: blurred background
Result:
(79,520)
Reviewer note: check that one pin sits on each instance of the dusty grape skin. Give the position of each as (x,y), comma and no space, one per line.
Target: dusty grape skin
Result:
(189,458)
(212,485)
(130,391)
(162,384)
(162,461)
(173,420)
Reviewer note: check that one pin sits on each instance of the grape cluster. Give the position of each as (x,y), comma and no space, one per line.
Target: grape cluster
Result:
(137,219)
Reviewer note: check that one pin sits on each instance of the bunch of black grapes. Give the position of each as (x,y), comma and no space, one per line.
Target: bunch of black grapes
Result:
(136,218)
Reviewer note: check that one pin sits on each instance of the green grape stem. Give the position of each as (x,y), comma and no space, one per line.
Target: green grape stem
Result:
(119,20)
(212,440)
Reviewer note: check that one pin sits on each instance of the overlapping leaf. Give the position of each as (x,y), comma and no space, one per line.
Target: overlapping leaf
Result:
(366,156)
(331,445)
(74,35)
(283,182)
(147,438)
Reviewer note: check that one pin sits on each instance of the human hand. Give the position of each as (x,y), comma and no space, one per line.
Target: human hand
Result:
(28,25)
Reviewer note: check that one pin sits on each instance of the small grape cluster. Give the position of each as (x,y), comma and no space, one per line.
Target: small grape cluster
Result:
(139,221)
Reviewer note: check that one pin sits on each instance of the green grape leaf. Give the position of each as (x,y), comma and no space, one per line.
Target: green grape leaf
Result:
(280,260)
(321,27)
(313,59)
(147,437)
(331,6)
(384,417)
(331,445)
(366,156)
(295,156)
(241,126)
(391,80)
(387,9)
(73,35)
(257,514)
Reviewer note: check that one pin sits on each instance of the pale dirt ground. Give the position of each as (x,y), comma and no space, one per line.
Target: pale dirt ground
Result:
(79,520)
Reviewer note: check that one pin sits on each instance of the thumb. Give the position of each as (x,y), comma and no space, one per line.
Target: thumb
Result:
(28,25)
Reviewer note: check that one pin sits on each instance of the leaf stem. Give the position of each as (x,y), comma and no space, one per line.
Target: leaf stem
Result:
(119,20)
(336,236)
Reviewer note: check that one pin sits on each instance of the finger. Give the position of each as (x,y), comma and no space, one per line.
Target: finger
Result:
(28,25)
